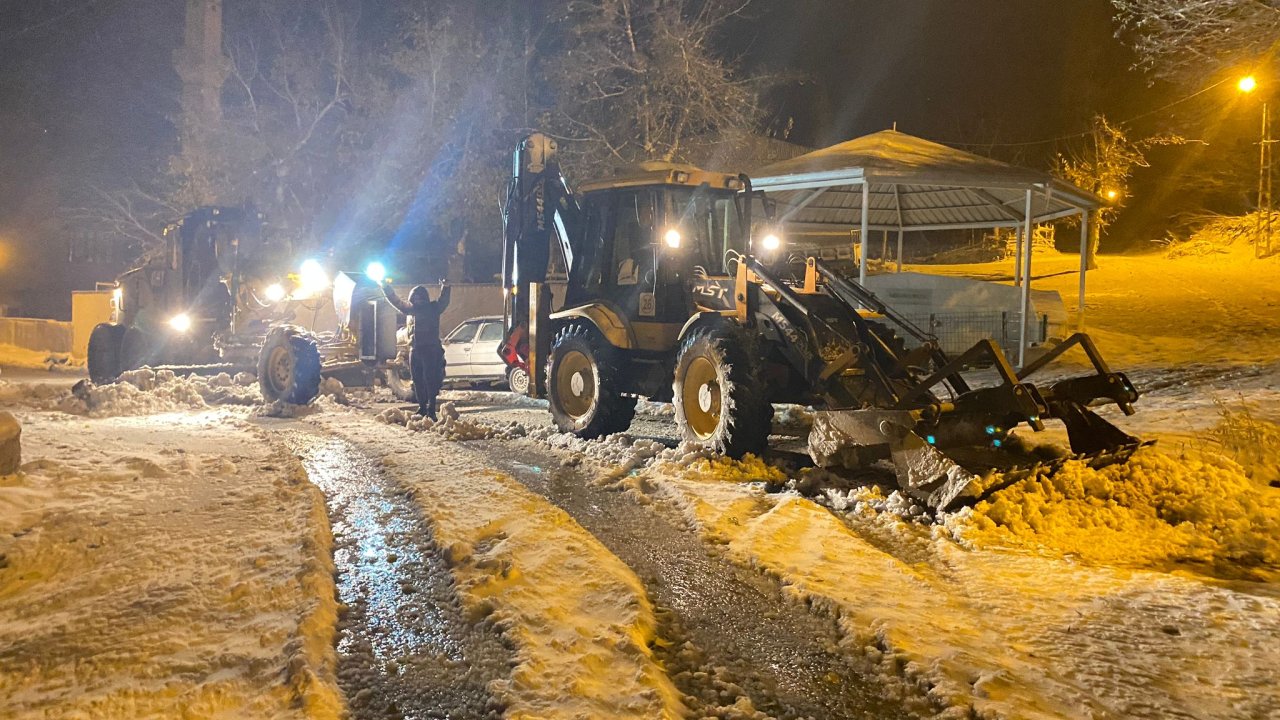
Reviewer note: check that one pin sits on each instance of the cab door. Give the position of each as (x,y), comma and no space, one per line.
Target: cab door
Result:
(457,349)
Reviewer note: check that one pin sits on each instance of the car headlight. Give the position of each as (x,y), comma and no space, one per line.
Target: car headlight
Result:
(274,292)
(672,238)
(376,271)
(771,242)
(180,322)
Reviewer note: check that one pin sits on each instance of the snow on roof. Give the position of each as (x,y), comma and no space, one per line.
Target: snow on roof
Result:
(915,184)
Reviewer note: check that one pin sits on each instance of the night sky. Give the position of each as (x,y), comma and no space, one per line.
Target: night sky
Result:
(85,99)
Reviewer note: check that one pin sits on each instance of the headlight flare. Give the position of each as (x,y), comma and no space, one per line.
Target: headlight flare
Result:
(376,271)
(672,238)
(771,242)
(312,279)
(274,292)
(180,323)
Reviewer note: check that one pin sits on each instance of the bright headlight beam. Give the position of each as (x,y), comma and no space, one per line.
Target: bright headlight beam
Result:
(274,292)
(771,242)
(180,322)
(672,238)
(312,279)
(376,271)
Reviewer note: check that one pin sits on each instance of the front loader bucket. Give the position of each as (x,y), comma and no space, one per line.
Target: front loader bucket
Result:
(857,438)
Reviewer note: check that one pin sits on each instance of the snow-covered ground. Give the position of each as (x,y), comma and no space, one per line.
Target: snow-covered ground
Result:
(159,555)
(165,565)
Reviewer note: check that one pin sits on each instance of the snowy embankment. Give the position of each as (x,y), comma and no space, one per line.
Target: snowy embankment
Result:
(1008,609)
(577,616)
(14,356)
(163,566)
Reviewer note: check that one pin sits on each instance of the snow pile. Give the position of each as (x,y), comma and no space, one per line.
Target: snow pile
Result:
(1154,510)
(19,357)
(723,469)
(491,398)
(451,426)
(146,391)
(655,409)
(793,417)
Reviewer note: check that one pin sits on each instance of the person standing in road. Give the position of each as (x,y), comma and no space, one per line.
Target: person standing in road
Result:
(426,354)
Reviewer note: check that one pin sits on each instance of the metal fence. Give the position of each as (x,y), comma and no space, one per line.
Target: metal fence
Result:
(958,331)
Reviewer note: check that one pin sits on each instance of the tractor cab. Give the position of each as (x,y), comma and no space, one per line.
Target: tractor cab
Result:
(644,238)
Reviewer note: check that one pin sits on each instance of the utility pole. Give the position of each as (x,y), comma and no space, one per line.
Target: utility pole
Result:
(202,68)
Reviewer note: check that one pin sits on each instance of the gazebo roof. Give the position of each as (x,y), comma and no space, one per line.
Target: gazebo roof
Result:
(914,184)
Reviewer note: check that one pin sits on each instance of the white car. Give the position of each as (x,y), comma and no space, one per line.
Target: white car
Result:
(471,355)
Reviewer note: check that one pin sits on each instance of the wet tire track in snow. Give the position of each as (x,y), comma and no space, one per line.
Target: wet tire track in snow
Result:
(727,631)
(405,649)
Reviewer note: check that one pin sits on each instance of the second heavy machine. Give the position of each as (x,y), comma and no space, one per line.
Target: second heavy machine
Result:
(675,292)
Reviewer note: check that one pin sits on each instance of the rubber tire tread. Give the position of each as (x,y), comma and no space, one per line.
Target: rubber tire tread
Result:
(614,411)
(746,414)
(304,385)
(106,353)
(135,349)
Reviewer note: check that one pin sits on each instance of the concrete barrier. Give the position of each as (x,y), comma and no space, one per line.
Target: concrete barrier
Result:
(37,334)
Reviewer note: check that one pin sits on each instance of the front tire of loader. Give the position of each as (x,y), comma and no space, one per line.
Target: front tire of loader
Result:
(106,353)
(718,401)
(289,366)
(135,350)
(583,377)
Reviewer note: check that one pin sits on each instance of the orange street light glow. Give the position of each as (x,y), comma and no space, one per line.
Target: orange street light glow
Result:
(1247,84)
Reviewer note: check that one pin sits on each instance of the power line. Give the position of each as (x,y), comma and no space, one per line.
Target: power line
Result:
(1072,136)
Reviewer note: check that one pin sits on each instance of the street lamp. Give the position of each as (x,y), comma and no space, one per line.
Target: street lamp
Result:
(1262,228)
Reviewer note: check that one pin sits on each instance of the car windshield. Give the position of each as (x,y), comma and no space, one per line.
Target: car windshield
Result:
(711,221)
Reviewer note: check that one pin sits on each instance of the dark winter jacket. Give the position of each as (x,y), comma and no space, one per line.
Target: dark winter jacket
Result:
(426,317)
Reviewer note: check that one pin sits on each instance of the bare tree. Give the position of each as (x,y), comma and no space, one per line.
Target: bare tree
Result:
(641,79)
(1192,41)
(1103,163)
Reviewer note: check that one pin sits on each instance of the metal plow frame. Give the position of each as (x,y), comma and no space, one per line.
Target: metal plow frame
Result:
(919,431)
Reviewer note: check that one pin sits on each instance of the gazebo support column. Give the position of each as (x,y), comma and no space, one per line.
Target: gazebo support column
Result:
(1026,286)
(1017,257)
(862,236)
(1084,265)
(900,233)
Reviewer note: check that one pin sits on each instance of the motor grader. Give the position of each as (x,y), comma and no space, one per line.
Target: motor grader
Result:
(217,300)
(677,294)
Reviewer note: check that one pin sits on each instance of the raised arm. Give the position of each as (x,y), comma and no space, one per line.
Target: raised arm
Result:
(442,301)
(395,300)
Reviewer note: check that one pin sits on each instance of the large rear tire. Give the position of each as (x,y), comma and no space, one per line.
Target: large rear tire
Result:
(583,384)
(718,401)
(289,366)
(106,353)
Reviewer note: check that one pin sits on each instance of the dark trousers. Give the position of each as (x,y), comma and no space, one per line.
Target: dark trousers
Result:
(426,365)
